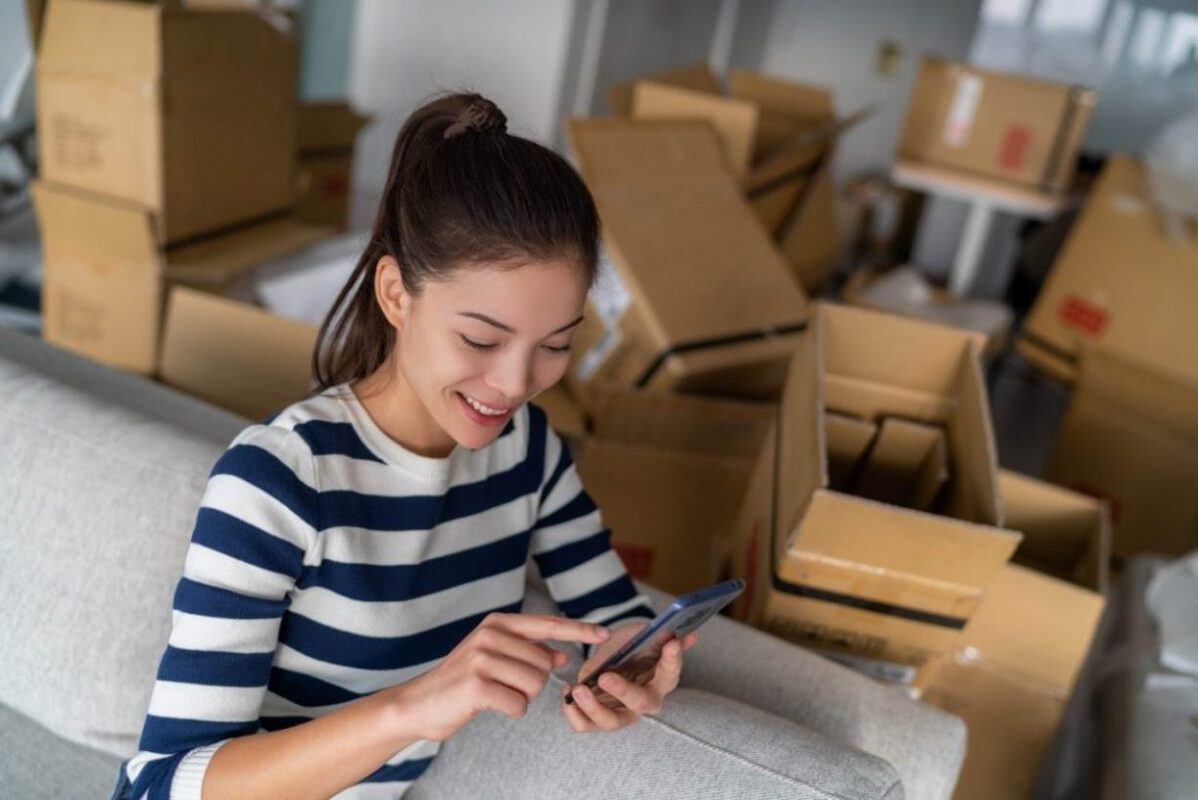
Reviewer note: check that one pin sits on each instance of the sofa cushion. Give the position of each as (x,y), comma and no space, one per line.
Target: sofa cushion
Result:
(96,506)
(36,763)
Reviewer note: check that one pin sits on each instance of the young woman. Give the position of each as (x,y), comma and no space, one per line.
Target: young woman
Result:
(351,594)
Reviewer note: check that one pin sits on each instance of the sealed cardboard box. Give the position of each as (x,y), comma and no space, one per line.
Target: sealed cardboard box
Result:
(996,124)
(1130,437)
(670,493)
(842,573)
(1120,282)
(1010,680)
(189,114)
(1065,534)
(235,355)
(695,297)
(105,278)
(327,132)
(779,137)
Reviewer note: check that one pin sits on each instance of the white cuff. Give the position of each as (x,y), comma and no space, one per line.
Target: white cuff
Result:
(189,775)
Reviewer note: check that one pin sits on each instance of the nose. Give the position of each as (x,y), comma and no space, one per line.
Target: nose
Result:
(511,375)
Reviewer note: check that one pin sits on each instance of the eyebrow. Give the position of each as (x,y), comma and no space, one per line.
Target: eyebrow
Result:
(508,328)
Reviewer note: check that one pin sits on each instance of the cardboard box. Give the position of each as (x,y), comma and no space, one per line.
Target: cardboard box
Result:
(1012,677)
(779,137)
(1130,436)
(327,132)
(104,278)
(695,297)
(842,573)
(235,355)
(565,415)
(669,493)
(996,124)
(1120,282)
(1065,534)
(189,114)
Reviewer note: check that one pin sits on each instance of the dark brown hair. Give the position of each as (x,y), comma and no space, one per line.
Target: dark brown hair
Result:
(460,191)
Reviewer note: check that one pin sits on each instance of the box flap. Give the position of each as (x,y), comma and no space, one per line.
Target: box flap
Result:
(802,447)
(1065,534)
(216,262)
(328,126)
(235,355)
(789,98)
(734,120)
(878,347)
(680,232)
(101,37)
(119,233)
(696,76)
(875,538)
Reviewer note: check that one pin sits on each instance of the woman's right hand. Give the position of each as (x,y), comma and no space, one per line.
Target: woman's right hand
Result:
(500,666)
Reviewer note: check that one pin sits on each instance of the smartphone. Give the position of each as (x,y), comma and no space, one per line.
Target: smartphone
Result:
(637,659)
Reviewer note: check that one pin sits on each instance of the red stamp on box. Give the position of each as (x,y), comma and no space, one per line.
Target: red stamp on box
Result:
(1082,315)
(1012,153)
(637,560)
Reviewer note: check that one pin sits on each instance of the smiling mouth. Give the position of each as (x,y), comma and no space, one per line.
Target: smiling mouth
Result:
(483,409)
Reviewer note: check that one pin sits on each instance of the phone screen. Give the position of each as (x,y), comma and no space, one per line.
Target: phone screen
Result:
(638,658)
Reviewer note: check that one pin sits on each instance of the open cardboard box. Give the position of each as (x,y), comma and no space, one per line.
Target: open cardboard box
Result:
(1001,125)
(1119,282)
(105,278)
(1130,437)
(695,297)
(188,114)
(846,574)
(327,132)
(668,472)
(1012,676)
(779,137)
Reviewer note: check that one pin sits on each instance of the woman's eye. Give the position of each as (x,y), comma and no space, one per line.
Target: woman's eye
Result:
(565,348)
(477,345)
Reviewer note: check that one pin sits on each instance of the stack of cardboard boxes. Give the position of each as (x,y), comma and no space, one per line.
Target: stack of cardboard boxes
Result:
(840,460)
(1115,320)
(168,140)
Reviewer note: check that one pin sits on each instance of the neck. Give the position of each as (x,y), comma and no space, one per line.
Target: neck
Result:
(395,408)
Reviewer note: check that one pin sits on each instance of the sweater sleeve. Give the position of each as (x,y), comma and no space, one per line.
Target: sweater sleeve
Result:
(255,526)
(573,551)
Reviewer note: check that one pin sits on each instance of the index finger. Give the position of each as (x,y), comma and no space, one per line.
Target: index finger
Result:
(537,627)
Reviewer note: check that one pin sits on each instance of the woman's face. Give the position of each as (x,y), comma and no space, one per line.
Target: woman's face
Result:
(474,347)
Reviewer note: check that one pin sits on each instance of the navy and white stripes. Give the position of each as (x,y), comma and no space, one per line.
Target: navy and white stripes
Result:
(328,563)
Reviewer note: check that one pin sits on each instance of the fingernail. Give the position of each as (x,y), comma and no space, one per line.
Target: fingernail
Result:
(602,632)
(581,693)
(608,681)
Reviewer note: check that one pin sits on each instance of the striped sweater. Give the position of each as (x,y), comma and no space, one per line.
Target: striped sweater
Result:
(328,562)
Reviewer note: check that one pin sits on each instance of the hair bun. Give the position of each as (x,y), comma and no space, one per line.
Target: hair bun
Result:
(478,116)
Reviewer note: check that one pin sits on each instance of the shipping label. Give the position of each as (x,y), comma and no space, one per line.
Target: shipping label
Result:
(958,125)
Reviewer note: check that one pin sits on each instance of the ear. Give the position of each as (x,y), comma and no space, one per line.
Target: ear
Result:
(390,292)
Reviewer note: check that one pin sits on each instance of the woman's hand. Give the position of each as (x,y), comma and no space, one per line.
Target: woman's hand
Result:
(501,666)
(632,698)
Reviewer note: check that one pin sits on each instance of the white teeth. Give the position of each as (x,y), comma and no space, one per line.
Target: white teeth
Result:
(480,408)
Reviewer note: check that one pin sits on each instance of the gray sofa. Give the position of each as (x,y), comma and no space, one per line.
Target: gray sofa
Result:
(100,476)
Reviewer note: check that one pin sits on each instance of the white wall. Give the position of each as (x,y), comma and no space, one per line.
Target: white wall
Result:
(642,36)
(514,52)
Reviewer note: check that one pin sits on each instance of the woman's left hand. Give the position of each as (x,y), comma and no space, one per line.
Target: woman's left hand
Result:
(589,712)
